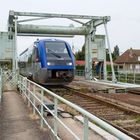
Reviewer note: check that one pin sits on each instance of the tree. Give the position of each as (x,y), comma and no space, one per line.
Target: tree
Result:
(80,55)
(107,55)
(116,52)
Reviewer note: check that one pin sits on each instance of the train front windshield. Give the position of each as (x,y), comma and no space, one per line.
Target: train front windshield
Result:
(57,49)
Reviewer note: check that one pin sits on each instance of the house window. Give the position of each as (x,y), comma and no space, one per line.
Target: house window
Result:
(137,66)
(120,67)
(132,67)
(138,58)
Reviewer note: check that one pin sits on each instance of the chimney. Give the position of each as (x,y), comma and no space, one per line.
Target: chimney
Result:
(131,52)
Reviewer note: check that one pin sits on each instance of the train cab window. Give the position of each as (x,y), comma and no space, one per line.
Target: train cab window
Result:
(35,55)
(57,50)
(56,47)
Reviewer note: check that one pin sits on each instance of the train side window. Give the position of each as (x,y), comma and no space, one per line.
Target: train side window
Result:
(36,55)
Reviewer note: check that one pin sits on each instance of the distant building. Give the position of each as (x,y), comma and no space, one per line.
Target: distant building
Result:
(129,61)
(80,62)
(6,50)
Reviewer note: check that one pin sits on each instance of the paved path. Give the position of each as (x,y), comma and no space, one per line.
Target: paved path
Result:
(15,123)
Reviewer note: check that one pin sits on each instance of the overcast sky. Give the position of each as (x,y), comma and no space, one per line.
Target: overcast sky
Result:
(124,27)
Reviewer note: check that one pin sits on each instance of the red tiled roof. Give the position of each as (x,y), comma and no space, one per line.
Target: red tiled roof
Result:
(80,62)
(109,63)
(129,56)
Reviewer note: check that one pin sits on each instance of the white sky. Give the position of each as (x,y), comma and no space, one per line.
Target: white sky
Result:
(124,27)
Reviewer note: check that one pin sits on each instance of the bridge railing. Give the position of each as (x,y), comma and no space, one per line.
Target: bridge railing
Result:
(0,84)
(34,94)
(122,76)
(9,80)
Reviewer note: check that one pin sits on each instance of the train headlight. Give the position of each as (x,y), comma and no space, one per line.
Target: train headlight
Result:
(69,64)
(50,63)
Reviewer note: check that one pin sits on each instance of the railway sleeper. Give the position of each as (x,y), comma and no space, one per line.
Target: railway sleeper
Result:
(132,127)
(71,96)
(96,108)
(85,105)
(108,111)
(123,117)
(115,117)
(126,122)
(137,133)
(95,111)
(90,101)
(63,94)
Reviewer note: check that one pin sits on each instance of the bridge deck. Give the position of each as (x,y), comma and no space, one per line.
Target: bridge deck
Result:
(15,121)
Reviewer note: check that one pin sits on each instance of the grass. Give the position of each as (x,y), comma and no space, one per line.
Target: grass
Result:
(138,119)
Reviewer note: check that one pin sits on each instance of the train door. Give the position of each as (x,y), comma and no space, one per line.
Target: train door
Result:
(35,64)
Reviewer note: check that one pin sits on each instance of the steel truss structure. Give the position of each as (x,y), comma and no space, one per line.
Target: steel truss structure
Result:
(88,29)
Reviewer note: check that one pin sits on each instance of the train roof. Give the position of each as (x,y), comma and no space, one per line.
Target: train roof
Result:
(50,39)
(42,40)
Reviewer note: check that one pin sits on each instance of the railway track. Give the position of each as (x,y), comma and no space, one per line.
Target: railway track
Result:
(134,91)
(126,120)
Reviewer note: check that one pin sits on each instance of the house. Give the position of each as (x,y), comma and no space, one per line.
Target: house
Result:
(129,61)
(96,65)
(80,62)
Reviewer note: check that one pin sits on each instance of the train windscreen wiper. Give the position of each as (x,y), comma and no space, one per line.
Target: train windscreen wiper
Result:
(52,52)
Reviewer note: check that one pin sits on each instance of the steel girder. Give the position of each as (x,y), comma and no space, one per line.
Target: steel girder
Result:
(87,29)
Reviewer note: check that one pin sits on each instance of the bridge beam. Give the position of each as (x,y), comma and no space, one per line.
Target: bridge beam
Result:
(43,29)
(88,29)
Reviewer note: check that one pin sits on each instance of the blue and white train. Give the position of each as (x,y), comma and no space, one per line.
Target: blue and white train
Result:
(48,62)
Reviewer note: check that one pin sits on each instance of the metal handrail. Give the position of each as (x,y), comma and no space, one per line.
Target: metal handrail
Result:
(0,84)
(122,76)
(25,89)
